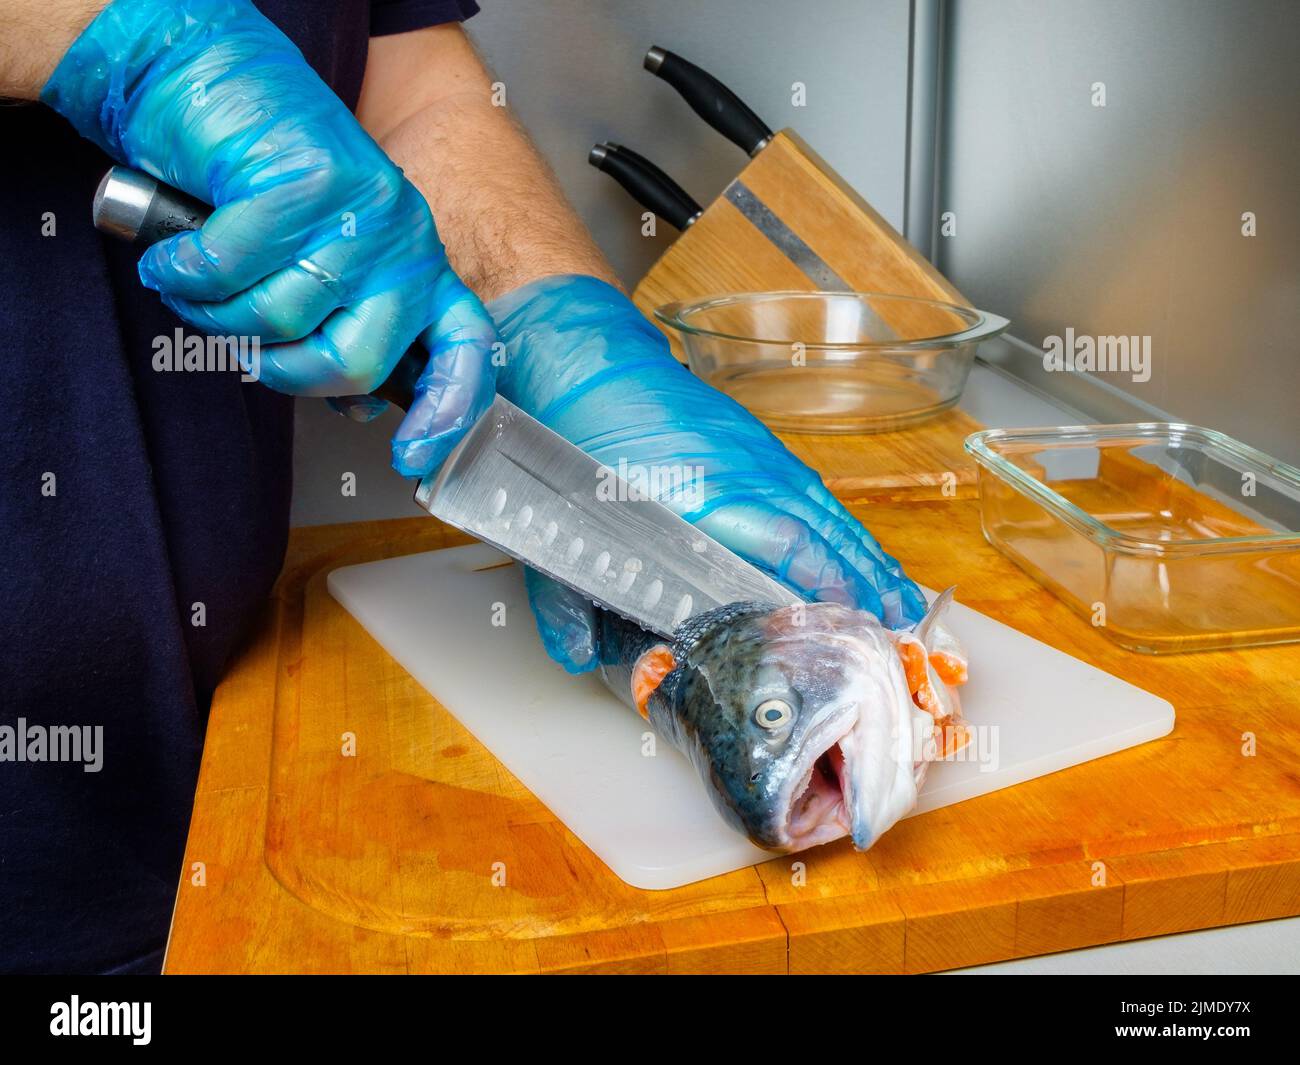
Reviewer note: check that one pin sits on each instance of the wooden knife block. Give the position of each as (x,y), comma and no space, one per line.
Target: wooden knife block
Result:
(788,221)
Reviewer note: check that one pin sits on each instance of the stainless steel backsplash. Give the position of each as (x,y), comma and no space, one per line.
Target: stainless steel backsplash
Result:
(1127,219)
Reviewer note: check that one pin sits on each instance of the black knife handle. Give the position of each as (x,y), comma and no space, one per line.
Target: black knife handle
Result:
(668,201)
(135,207)
(685,197)
(710,99)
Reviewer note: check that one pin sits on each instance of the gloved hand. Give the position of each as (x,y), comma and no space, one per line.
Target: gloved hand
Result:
(318,244)
(585,362)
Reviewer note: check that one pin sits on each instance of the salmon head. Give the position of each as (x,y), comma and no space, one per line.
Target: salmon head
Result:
(807,723)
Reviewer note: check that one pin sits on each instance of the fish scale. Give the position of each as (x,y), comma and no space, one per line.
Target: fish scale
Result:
(620,644)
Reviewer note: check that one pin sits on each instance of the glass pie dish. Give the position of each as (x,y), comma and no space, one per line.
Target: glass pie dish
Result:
(832,362)
(1167,537)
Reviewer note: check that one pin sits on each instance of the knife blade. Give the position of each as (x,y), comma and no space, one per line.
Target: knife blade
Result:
(519,486)
(710,99)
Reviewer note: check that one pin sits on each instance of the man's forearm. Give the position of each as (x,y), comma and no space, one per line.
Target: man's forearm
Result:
(428,100)
(500,212)
(34,34)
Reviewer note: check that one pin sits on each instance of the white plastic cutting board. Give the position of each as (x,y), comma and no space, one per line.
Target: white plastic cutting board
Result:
(580,750)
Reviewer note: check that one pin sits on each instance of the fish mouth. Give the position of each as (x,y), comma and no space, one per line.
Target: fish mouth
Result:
(855,776)
(861,764)
(819,807)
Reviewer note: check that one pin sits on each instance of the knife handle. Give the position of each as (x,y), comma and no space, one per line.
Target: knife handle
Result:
(710,99)
(640,160)
(646,184)
(137,208)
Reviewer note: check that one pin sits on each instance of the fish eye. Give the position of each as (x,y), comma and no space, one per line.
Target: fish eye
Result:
(773,713)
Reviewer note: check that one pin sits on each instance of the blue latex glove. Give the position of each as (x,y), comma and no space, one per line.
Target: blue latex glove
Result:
(318,244)
(583,360)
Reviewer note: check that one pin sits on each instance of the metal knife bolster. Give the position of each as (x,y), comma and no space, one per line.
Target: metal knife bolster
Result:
(515,484)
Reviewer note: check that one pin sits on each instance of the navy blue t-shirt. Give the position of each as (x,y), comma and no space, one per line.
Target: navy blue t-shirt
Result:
(129,495)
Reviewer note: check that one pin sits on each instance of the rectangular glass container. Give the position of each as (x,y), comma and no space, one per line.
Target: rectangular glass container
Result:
(1167,537)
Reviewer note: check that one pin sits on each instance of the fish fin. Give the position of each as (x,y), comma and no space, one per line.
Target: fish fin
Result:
(920,679)
(944,649)
(950,666)
(936,610)
(648,674)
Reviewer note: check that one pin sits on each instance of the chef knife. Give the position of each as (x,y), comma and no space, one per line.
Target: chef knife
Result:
(710,99)
(522,488)
(646,183)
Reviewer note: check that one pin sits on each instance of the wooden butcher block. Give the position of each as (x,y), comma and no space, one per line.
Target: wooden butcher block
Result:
(345,822)
(789,221)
